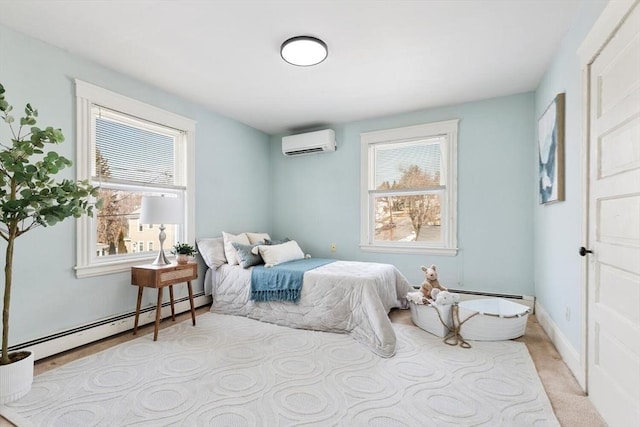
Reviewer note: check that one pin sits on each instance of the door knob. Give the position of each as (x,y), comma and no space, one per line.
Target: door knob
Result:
(583,251)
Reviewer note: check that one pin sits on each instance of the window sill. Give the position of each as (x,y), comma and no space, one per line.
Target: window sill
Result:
(409,249)
(111,267)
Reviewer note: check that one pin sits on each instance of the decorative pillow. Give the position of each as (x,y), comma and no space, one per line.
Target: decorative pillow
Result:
(268,241)
(245,257)
(257,237)
(212,251)
(277,254)
(229,251)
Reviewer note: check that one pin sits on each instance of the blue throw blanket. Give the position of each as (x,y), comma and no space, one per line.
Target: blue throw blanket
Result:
(282,282)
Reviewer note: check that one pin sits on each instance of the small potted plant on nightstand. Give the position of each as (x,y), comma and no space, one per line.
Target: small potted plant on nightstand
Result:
(183,251)
(30,198)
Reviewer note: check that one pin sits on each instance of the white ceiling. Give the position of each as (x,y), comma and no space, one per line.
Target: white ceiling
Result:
(385,56)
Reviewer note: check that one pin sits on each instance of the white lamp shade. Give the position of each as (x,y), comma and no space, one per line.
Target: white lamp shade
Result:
(161,210)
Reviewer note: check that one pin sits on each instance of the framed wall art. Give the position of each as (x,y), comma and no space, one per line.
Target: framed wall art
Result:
(551,152)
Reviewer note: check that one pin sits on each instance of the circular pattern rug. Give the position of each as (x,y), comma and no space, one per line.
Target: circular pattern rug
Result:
(235,371)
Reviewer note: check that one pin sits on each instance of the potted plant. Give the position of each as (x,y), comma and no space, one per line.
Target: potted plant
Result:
(30,198)
(183,251)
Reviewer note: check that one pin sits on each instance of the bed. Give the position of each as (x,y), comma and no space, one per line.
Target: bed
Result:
(341,296)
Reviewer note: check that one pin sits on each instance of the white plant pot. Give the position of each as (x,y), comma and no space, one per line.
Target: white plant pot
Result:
(182,258)
(16,379)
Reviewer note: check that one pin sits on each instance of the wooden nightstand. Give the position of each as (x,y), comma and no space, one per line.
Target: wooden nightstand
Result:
(159,276)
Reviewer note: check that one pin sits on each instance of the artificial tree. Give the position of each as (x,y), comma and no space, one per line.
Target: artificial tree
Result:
(29,195)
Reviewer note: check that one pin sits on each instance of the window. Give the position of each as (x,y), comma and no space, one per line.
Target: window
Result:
(129,149)
(408,196)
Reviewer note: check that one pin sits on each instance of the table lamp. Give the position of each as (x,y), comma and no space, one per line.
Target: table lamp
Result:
(161,210)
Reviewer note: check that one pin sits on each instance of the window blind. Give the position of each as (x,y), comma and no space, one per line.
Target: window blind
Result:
(136,153)
(394,161)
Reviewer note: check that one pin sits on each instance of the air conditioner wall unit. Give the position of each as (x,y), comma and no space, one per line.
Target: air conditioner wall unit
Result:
(308,143)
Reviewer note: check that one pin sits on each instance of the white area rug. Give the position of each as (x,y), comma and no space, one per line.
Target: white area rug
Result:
(234,371)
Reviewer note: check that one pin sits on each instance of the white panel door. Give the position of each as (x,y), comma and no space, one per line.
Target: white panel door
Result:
(614,228)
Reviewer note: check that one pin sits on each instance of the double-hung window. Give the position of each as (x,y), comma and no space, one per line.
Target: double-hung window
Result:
(129,150)
(408,196)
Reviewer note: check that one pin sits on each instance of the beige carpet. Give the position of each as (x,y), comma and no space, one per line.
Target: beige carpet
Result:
(237,371)
(570,403)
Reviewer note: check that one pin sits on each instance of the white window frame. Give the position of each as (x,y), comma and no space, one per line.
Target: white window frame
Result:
(449,219)
(87,96)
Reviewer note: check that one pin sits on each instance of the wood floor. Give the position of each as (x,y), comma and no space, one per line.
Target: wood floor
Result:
(570,404)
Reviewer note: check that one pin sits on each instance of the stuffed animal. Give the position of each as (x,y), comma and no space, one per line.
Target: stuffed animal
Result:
(431,283)
(416,297)
(446,298)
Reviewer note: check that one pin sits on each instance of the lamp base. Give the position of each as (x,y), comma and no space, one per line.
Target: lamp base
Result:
(161,259)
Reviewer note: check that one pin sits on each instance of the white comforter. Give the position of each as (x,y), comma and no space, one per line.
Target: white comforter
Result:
(343,296)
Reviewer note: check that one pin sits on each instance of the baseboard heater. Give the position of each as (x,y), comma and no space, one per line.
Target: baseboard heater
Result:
(85,334)
(465,295)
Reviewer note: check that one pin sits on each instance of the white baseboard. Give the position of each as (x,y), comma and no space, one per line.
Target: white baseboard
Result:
(569,355)
(63,342)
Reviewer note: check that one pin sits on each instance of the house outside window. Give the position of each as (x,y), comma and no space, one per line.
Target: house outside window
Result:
(129,150)
(409,189)
(149,234)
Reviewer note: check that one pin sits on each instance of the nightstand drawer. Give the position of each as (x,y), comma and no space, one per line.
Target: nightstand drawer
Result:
(185,274)
(160,276)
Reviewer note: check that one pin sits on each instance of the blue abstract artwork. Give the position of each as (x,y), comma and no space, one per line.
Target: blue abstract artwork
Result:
(551,152)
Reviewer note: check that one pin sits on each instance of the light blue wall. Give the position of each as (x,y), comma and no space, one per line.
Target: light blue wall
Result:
(230,175)
(316,198)
(558,227)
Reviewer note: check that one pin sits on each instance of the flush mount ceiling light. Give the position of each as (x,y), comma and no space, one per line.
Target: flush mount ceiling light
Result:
(304,51)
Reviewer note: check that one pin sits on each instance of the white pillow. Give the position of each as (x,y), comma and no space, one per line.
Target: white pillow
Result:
(212,251)
(257,237)
(229,250)
(277,254)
